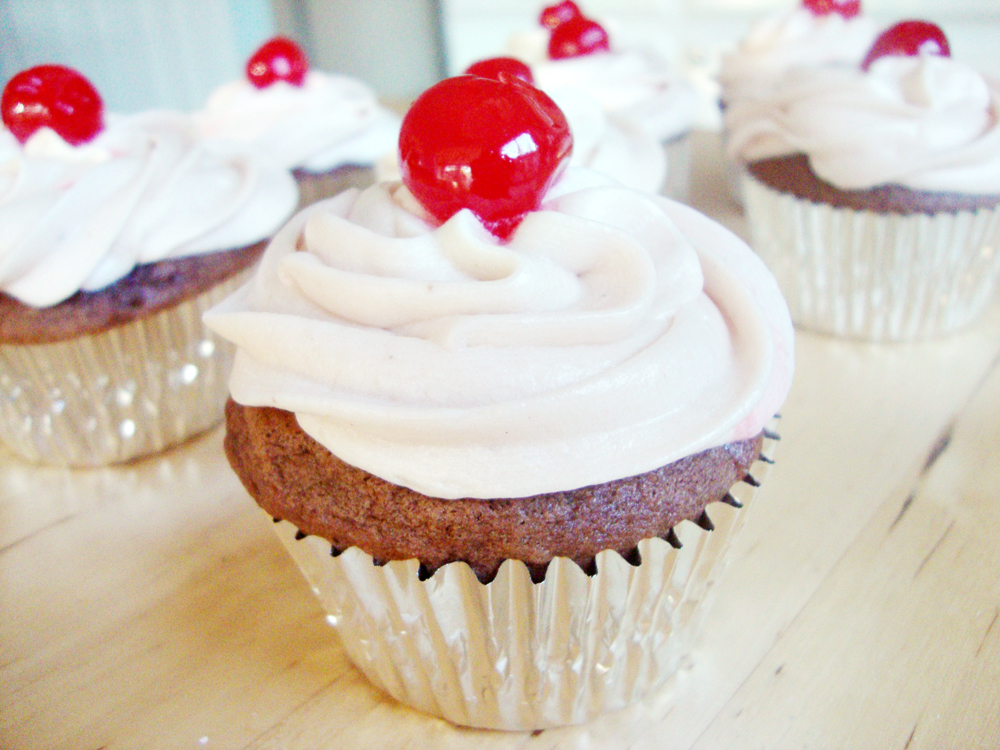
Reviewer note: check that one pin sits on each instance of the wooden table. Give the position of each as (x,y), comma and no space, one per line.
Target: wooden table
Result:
(149,606)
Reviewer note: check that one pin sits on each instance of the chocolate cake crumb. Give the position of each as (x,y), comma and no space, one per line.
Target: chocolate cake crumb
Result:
(792,174)
(293,477)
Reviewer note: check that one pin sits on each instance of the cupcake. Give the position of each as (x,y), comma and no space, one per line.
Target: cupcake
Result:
(328,129)
(872,191)
(511,399)
(813,33)
(642,98)
(119,232)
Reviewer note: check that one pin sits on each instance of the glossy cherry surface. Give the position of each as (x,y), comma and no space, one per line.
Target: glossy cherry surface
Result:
(52,96)
(556,15)
(278,59)
(491,146)
(846,8)
(577,36)
(908,38)
(494,66)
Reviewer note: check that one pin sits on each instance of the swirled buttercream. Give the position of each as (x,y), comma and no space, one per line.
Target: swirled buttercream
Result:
(327,122)
(614,333)
(144,190)
(792,38)
(631,85)
(926,123)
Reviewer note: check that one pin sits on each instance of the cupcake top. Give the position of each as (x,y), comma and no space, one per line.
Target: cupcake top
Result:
(920,119)
(634,86)
(304,119)
(813,33)
(487,351)
(139,189)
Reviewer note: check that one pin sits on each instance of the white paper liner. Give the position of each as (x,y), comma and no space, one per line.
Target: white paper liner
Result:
(517,655)
(126,392)
(315,186)
(677,182)
(879,277)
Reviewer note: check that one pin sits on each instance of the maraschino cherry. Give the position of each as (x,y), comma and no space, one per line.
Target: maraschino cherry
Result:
(909,39)
(846,8)
(494,66)
(577,36)
(278,59)
(556,15)
(52,96)
(492,146)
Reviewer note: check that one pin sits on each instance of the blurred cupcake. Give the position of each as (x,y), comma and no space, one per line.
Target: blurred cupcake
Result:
(118,233)
(519,392)
(815,32)
(329,129)
(873,190)
(643,100)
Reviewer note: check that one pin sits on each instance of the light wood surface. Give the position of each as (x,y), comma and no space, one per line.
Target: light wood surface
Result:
(148,606)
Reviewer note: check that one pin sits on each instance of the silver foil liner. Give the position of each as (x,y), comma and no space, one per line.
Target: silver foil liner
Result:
(315,186)
(878,277)
(517,655)
(129,391)
(677,182)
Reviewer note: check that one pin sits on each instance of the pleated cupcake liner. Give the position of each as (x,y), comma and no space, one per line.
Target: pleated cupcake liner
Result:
(516,655)
(677,182)
(130,391)
(877,277)
(316,186)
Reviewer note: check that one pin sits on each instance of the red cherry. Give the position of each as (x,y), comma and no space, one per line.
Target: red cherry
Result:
(556,15)
(908,38)
(52,96)
(493,147)
(278,59)
(576,37)
(846,8)
(509,66)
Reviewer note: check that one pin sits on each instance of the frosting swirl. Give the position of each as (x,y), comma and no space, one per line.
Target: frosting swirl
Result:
(926,123)
(144,190)
(791,39)
(615,146)
(631,85)
(327,122)
(613,334)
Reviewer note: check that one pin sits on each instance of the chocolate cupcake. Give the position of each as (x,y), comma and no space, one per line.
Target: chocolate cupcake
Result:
(120,234)
(511,407)
(328,129)
(873,190)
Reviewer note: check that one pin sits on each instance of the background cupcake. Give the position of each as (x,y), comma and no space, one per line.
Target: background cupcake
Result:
(118,232)
(815,32)
(508,409)
(873,190)
(640,94)
(329,129)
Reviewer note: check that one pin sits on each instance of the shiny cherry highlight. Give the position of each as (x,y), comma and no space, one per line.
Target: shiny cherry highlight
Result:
(52,96)
(578,36)
(556,15)
(846,8)
(492,146)
(495,66)
(278,59)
